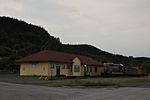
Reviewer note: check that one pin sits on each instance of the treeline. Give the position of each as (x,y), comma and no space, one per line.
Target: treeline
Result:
(18,39)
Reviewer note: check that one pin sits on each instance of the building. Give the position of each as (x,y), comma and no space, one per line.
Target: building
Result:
(53,63)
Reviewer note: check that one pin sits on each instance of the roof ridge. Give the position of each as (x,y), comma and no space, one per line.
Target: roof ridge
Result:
(56,56)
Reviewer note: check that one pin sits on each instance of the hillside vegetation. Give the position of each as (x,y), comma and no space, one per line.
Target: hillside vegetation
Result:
(18,39)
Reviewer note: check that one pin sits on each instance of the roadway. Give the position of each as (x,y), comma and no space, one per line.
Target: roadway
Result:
(10,91)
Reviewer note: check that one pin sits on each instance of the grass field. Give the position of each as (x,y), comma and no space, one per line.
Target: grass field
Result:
(76,82)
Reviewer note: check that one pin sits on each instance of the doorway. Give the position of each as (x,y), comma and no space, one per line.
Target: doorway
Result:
(57,70)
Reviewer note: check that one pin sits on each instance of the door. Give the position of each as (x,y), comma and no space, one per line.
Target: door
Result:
(85,70)
(57,70)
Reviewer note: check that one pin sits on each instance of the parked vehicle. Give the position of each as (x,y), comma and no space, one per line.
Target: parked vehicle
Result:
(112,69)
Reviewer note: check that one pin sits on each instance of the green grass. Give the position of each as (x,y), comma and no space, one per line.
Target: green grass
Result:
(90,82)
(98,83)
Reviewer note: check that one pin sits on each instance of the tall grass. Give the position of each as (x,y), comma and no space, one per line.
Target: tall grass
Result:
(98,83)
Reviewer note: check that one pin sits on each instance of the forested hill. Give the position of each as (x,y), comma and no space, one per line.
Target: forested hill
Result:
(18,35)
(18,39)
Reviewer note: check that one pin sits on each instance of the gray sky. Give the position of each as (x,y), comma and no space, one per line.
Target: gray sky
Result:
(116,26)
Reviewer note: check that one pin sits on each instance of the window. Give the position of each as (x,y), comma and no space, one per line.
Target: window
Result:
(116,69)
(76,68)
(96,69)
(52,66)
(68,66)
(63,67)
(90,69)
(71,68)
(34,64)
(87,69)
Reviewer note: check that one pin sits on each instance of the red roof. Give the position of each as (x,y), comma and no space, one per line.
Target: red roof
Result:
(54,56)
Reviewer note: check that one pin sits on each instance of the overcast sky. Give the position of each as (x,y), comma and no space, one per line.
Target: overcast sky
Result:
(116,26)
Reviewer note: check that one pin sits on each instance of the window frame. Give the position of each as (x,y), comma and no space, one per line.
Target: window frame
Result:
(76,68)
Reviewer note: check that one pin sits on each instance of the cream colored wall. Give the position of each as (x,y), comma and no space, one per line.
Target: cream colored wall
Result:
(66,71)
(77,62)
(82,70)
(39,69)
(49,69)
(63,71)
(44,69)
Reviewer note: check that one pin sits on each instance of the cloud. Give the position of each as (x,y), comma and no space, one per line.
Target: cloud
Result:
(119,26)
(10,7)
